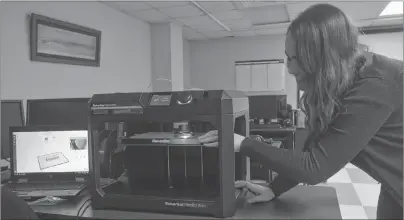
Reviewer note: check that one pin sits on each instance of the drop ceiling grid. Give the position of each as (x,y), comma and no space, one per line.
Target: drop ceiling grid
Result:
(227,13)
(234,14)
(188,15)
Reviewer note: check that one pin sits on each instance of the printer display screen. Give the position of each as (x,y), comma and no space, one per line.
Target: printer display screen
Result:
(160,100)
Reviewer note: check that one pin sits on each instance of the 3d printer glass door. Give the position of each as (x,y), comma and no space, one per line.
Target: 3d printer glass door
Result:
(160,165)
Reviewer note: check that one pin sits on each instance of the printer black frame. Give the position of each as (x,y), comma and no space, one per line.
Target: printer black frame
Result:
(225,117)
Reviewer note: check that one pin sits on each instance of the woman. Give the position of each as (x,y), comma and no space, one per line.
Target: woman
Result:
(353,102)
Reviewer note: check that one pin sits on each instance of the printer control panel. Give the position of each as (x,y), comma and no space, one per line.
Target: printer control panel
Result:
(160,100)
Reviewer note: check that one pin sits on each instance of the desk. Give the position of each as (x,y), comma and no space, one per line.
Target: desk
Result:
(284,134)
(270,131)
(302,202)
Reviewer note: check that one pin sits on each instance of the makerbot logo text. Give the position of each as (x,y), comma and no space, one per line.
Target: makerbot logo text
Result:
(160,141)
(54,157)
(185,204)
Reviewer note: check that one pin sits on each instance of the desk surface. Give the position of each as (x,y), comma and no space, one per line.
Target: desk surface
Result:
(271,128)
(302,202)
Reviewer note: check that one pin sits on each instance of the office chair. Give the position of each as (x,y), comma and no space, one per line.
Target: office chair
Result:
(13,207)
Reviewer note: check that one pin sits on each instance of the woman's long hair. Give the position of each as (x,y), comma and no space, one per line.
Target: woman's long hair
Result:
(328,51)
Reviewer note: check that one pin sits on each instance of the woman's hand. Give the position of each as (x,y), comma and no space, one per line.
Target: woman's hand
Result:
(262,193)
(211,139)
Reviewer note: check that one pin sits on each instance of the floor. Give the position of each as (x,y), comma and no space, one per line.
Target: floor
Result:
(357,193)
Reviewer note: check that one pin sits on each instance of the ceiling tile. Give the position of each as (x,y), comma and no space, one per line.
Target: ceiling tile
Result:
(228,15)
(363,23)
(216,6)
(238,24)
(277,25)
(254,4)
(217,34)
(199,20)
(128,6)
(293,16)
(271,31)
(248,33)
(267,15)
(353,9)
(213,27)
(189,32)
(182,11)
(199,37)
(152,16)
(296,8)
(166,4)
(177,22)
(387,21)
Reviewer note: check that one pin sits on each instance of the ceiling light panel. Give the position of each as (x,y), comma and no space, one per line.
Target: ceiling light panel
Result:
(393,8)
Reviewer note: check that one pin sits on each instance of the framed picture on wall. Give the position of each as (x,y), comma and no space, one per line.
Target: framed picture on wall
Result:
(57,41)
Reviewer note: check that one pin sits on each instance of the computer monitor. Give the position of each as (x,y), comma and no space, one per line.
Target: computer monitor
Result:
(58,112)
(12,114)
(42,151)
(263,106)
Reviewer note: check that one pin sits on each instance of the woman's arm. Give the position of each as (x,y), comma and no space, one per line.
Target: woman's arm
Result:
(282,184)
(368,105)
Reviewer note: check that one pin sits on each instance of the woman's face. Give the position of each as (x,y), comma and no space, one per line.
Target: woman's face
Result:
(292,64)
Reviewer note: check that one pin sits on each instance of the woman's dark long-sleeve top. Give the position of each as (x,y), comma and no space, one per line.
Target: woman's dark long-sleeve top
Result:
(369,134)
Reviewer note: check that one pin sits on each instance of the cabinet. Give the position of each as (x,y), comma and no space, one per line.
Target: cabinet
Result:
(260,76)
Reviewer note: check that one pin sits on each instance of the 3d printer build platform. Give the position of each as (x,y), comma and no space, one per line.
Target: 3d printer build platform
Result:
(165,138)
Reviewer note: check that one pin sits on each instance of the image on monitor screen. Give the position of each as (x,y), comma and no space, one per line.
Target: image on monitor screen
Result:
(51,152)
(51,160)
(78,143)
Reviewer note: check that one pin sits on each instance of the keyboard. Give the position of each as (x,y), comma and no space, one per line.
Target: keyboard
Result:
(45,186)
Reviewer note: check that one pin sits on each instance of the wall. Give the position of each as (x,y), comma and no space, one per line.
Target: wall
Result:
(187,64)
(212,61)
(160,57)
(177,57)
(167,57)
(390,44)
(125,53)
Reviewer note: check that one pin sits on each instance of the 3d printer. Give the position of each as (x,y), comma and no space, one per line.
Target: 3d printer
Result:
(165,168)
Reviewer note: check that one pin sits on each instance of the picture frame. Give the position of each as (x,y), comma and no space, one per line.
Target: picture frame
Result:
(56,41)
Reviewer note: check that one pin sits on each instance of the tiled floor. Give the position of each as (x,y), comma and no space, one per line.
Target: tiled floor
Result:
(357,192)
